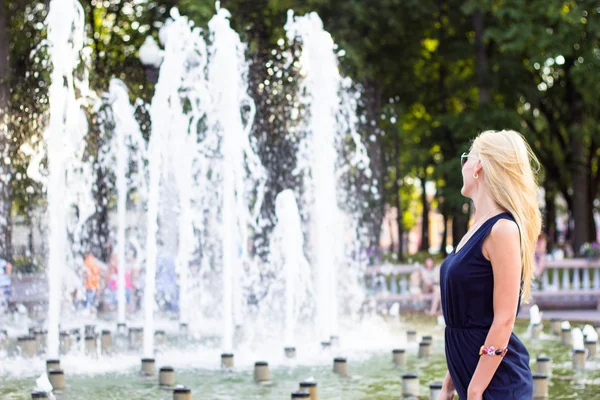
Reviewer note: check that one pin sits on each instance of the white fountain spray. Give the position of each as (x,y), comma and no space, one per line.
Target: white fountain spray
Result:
(318,157)
(66,33)
(126,139)
(185,146)
(242,171)
(165,98)
(174,133)
(589,333)
(287,246)
(535,316)
(185,158)
(577,336)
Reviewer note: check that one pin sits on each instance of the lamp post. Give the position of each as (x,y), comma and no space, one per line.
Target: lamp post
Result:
(151,58)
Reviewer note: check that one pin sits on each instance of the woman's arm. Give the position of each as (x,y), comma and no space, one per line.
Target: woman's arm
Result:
(503,249)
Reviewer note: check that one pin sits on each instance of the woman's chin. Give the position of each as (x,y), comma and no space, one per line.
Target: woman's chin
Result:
(465,192)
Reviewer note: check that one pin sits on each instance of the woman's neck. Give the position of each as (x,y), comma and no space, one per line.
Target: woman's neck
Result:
(485,206)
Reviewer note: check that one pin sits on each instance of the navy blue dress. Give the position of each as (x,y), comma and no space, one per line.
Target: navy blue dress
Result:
(467,289)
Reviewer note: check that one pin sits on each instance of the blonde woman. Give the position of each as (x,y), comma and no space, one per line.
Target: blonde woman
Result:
(490,271)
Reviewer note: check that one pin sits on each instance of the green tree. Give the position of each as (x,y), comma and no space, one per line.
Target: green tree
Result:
(22,108)
(550,52)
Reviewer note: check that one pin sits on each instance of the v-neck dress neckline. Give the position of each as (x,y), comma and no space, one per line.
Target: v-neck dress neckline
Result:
(455,251)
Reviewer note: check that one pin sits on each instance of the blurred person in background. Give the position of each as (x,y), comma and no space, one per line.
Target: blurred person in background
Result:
(92,281)
(5,283)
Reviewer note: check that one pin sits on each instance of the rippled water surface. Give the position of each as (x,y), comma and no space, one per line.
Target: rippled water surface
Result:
(372,374)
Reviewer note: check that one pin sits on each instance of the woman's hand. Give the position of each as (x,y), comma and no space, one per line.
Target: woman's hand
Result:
(446,394)
(448,391)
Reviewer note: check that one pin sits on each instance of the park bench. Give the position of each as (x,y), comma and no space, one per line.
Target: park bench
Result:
(30,290)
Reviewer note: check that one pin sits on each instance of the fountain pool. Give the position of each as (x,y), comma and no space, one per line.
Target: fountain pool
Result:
(372,374)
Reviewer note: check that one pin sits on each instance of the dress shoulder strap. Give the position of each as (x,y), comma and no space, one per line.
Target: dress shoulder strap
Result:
(489,224)
(486,228)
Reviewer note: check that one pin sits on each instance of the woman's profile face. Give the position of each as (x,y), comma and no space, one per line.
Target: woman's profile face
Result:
(468,170)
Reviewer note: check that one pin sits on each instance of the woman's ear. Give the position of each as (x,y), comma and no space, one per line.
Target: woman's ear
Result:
(477,168)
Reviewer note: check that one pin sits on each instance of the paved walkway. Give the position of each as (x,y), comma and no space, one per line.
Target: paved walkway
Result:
(571,315)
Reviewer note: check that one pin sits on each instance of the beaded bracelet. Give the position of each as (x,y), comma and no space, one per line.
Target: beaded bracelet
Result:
(491,351)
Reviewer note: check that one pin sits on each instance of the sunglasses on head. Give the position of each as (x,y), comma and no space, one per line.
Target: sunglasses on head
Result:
(463,159)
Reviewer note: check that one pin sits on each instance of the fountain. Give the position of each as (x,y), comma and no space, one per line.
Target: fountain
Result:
(222,153)
(535,321)
(565,335)
(201,119)
(589,332)
(591,341)
(184,150)
(577,336)
(43,385)
(535,317)
(127,135)
(242,175)
(69,178)
(170,127)
(121,210)
(205,146)
(319,160)
(126,147)
(287,247)
(578,350)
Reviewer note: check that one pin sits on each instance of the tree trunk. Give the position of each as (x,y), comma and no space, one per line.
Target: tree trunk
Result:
(592,236)
(592,228)
(6,247)
(579,166)
(425,219)
(30,240)
(550,213)
(481,62)
(6,172)
(580,193)
(102,209)
(592,192)
(443,111)
(375,153)
(399,218)
(444,235)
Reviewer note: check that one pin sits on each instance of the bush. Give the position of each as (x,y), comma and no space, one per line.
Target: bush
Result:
(28,265)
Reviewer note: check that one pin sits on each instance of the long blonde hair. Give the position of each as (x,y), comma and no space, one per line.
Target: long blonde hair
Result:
(510,172)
